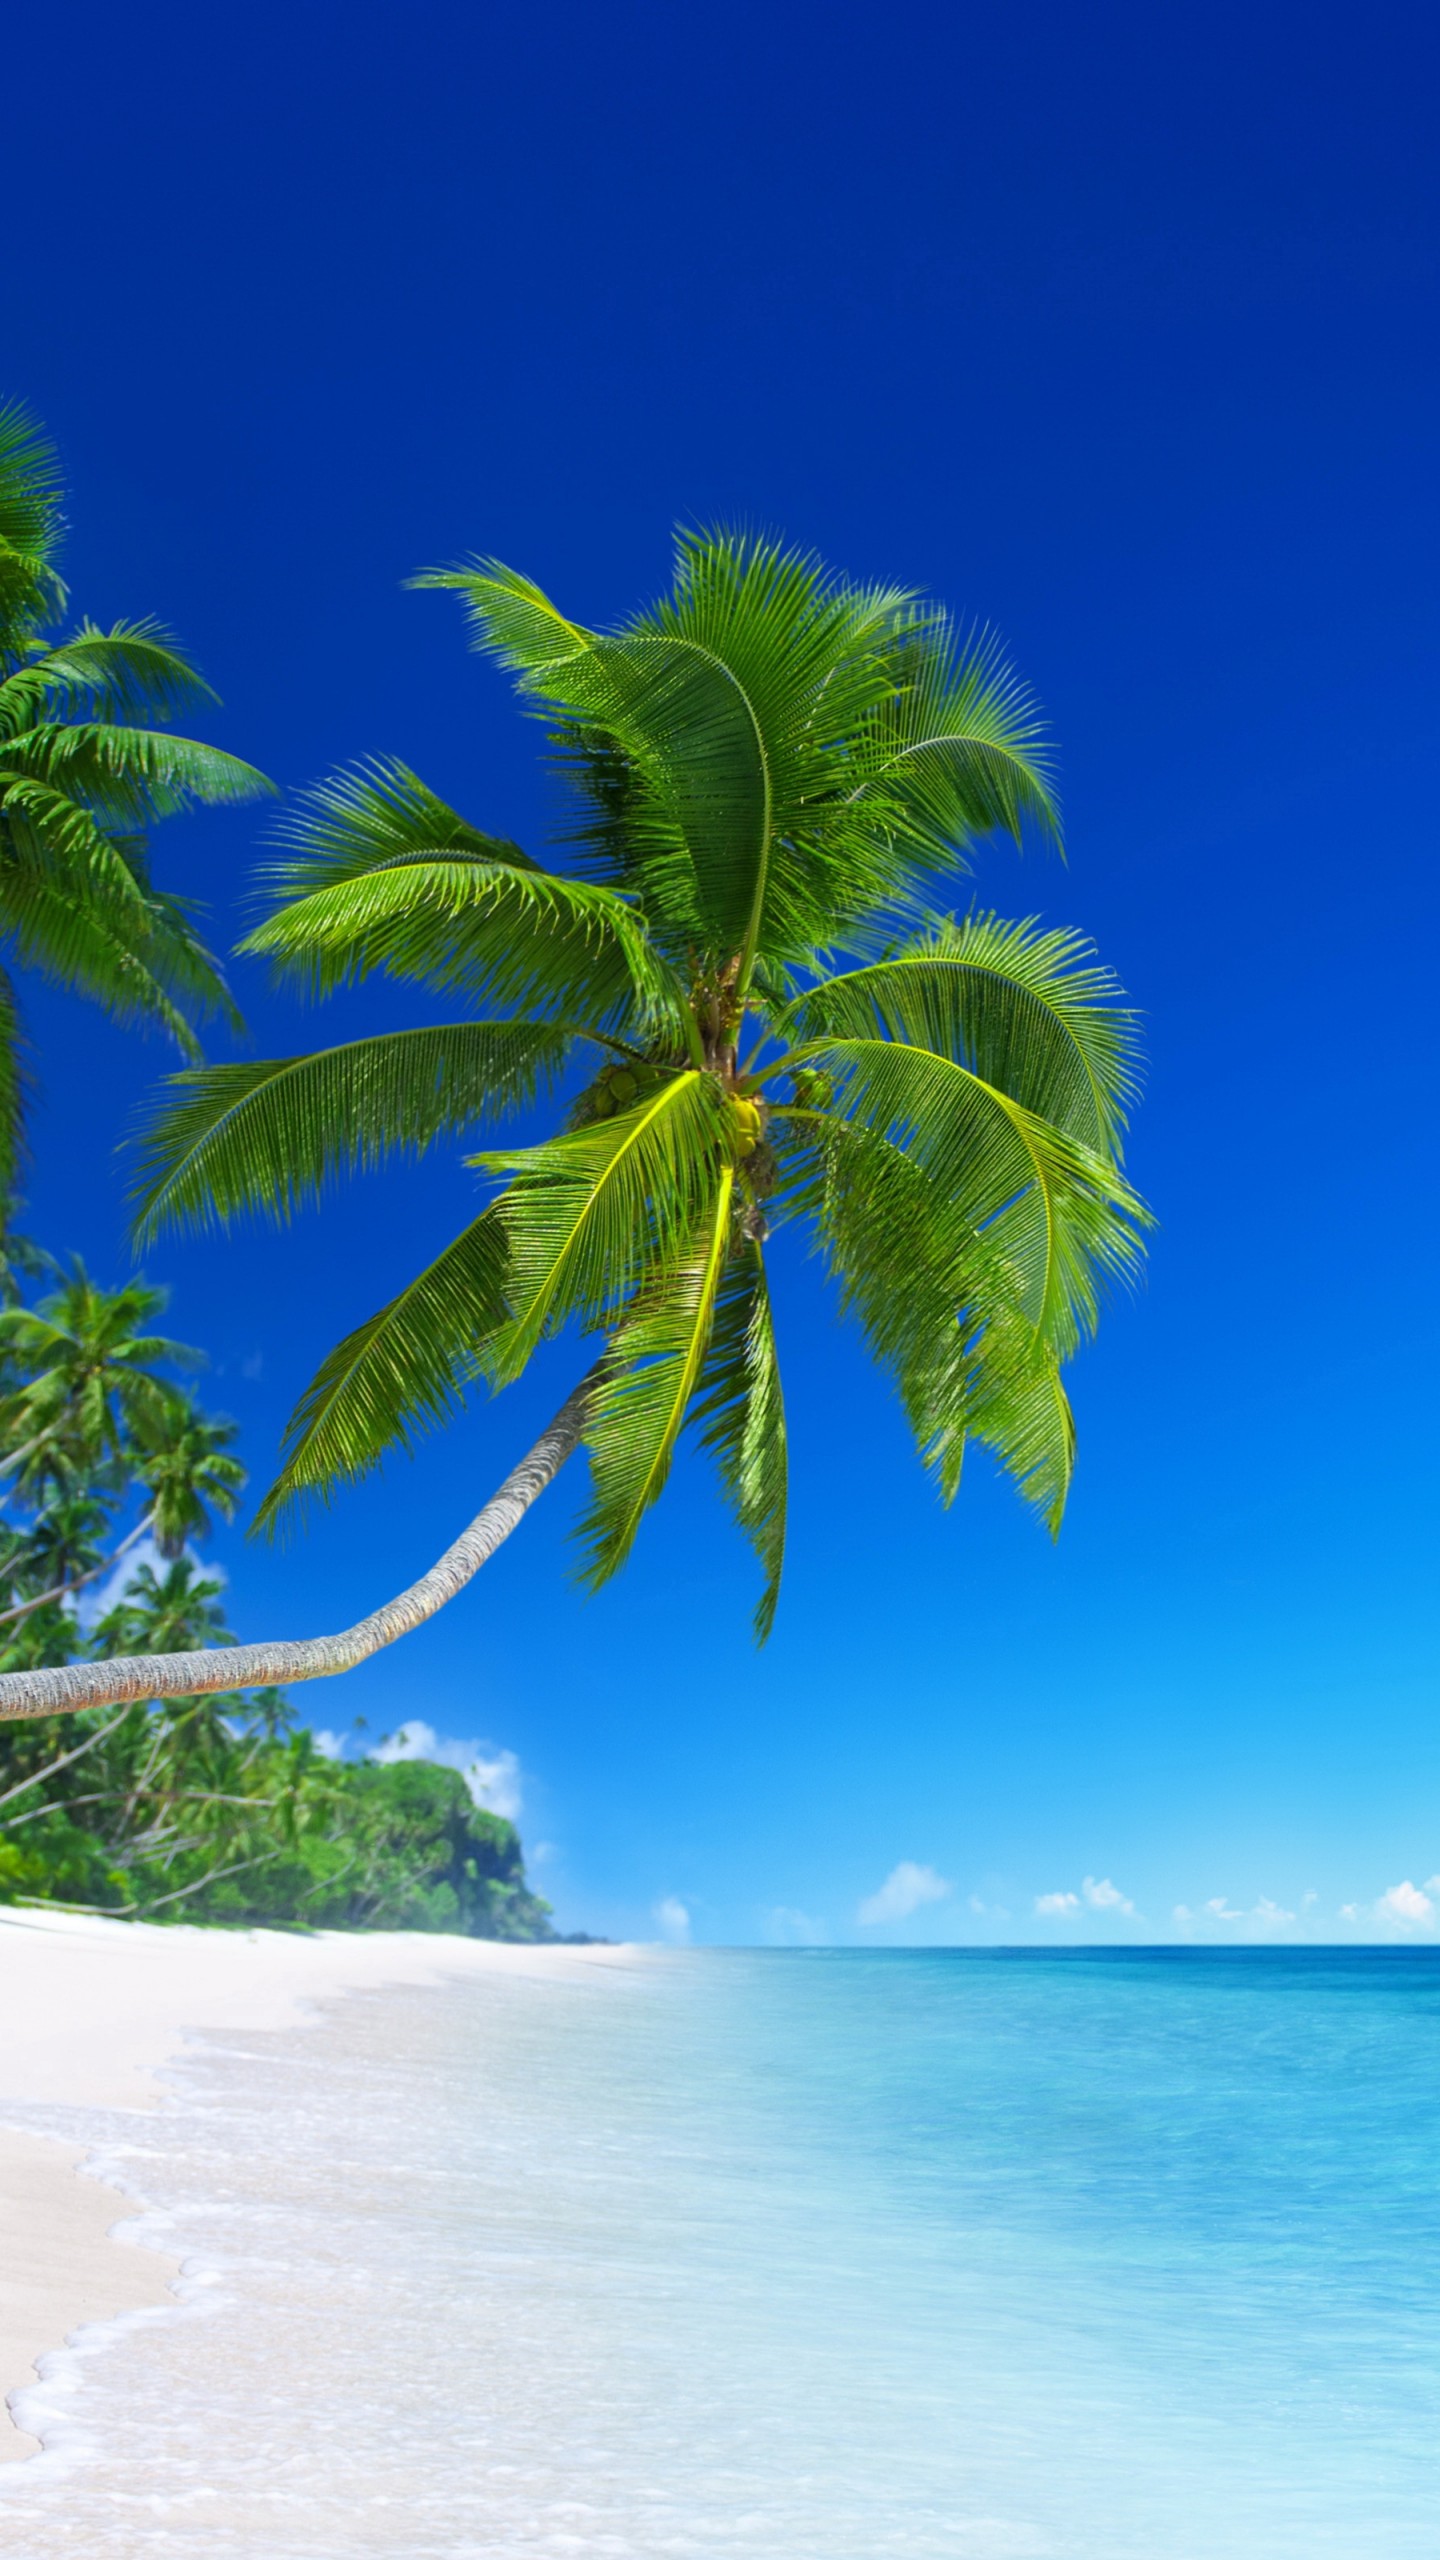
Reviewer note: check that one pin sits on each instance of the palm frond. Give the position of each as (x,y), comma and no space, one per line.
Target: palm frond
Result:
(1027,1010)
(710,736)
(958,751)
(741,1413)
(128,778)
(382,875)
(1061,1214)
(133,671)
(14,1085)
(590,1214)
(942,1313)
(31,490)
(639,1405)
(268,1135)
(87,949)
(398,1375)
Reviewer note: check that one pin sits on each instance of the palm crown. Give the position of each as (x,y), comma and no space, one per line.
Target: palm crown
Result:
(81,782)
(776,777)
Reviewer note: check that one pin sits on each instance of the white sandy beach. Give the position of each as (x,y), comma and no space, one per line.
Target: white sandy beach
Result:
(89,2011)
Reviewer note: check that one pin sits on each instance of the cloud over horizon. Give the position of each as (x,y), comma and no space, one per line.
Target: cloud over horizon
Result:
(904,1890)
(1099,1892)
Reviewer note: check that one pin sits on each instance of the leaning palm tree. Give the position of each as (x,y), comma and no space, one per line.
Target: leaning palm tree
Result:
(765,1025)
(82,781)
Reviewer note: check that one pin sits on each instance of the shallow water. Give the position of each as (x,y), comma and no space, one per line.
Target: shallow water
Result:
(801,2256)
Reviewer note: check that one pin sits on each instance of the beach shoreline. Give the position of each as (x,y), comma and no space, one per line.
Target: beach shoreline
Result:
(91,2010)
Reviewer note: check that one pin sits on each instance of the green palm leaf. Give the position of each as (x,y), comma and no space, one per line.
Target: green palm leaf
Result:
(133,671)
(1059,1211)
(1026,1010)
(741,1413)
(397,1375)
(727,706)
(382,875)
(958,752)
(13,1088)
(81,780)
(128,778)
(639,1407)
(268,1135)
(30,523)
(589,1216)
(941,1311)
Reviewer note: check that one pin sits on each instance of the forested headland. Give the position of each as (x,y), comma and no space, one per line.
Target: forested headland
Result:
(218,1808)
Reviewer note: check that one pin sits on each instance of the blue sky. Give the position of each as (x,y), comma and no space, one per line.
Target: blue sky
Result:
(1115,327)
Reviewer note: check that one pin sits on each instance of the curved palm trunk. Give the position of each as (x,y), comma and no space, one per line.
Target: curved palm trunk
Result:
(250,1666)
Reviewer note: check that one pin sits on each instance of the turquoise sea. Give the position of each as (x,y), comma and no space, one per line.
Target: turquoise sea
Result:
(802,2256)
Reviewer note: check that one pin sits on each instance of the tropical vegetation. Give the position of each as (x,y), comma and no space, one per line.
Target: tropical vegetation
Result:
(88,764)
(215,1807)
(759,1019)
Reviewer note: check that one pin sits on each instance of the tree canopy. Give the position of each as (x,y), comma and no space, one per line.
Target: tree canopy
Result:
(209,1806)
(88,763)
(758,1018)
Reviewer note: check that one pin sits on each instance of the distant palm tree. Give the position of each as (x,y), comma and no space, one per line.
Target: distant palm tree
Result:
(173,1612)
(776,777)
(185,1465)
(180,1457)
(80,784)
(86,1360)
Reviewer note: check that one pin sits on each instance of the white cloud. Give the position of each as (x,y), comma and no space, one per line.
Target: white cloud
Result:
(1098,1892)
(788,1928)
(904,1890)
(331,1746)
(1405,1906)
(493,1777)
(1266,1919)
(673,1919)
(1102,1895)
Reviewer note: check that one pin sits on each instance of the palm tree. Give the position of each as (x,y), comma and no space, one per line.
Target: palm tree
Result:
(61,1551)
(86,1358)
(170,1612)
(81,783)
(774,1025)
(181,1457)
(184,1463)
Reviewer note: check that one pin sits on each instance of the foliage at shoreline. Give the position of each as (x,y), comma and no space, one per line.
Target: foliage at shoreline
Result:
(217,1808)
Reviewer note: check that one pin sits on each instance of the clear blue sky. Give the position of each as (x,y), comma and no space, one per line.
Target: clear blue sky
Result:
(1115,326)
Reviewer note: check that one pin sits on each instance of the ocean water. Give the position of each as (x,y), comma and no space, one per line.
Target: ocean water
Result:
(802,2256)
